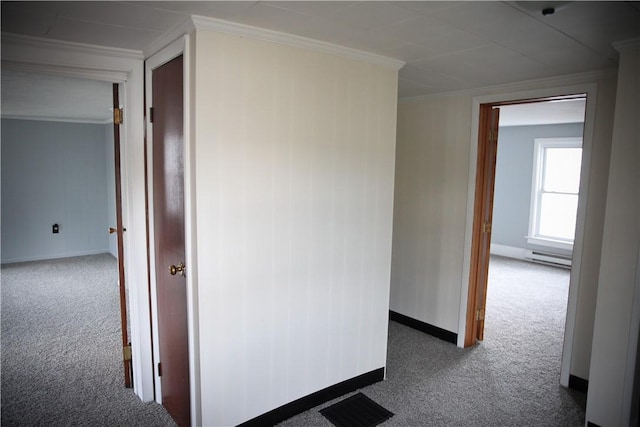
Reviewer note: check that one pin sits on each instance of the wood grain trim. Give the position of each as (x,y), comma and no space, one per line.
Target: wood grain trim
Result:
(128,372)
(471,327)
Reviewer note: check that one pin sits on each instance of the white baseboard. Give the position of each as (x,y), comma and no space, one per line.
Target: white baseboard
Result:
(508,251)
(56,256)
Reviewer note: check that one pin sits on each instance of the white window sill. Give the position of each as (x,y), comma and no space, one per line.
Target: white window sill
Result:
(541,241)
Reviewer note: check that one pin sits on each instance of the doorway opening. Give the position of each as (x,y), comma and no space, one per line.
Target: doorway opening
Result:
(60,191)
(533,189)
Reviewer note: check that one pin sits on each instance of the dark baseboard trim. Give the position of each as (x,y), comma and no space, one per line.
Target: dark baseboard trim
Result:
(578,383)
(590,424)
(443,334)
(319,397)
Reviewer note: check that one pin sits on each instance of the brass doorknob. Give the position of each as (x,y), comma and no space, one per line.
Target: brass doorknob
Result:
(113,230)
(177,269)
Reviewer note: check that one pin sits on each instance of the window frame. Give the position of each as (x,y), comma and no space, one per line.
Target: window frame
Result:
(538,173)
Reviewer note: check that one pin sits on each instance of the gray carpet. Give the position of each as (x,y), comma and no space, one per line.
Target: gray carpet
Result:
(510,379)
(61,355)
(61,347)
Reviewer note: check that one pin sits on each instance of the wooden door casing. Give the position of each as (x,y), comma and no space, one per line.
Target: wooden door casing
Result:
(168,214)
(482,221)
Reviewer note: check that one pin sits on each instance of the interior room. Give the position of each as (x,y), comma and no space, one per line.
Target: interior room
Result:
(321,167)
(58,166)
(59,208)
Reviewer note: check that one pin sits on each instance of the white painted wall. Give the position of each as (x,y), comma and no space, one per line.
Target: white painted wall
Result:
(589,266)
(432,211)
(294,164)
(432,166)
(53,173)
(617,321)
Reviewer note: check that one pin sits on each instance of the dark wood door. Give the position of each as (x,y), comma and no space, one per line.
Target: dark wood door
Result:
(168,214)
(482,222)
(126,345)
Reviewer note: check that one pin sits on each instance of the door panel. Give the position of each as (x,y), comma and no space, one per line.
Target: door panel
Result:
(487,219)
(168,214)
(119,230)
(482,217)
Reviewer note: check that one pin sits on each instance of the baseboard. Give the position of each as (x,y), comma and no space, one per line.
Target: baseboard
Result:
(319,397)
(578,383)
(437,332)
(56,256)
(507,251)
(590,424)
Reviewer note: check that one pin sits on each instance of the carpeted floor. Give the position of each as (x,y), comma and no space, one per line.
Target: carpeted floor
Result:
(61,355)
(510,379)
(61,347)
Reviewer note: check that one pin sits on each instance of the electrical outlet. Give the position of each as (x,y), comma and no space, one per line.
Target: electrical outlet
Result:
(55,228)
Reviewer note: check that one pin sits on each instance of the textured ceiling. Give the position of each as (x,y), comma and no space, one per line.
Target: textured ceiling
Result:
(448,45)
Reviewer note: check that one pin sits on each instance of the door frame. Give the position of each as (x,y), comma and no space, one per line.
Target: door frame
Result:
(590,89)
(181,46)
(125,67)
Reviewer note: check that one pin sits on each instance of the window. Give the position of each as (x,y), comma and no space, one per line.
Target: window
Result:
(554,200)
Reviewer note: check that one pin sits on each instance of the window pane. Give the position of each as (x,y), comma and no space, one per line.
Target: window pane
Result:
(558,216)
(562,170)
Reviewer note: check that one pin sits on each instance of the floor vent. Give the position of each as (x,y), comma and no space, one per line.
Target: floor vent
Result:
(549,258)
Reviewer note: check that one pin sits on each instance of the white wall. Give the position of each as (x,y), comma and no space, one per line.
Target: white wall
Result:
(434,157)
(294,164)
(53,173)
(432,163)
(617,322)
(589,267)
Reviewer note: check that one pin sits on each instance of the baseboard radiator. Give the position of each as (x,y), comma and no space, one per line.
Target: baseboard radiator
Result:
(548,258)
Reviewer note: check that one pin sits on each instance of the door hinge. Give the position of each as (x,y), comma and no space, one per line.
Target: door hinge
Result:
(480,314)
(159,369)
(150,114)
(117,116)
(126,352)
(486,227)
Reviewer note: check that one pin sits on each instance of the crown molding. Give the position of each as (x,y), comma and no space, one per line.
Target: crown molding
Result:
(623,45)
(28,41)
(186,26)
(196,22)
(85,73)
(218,25)
(57,119)
(566,80)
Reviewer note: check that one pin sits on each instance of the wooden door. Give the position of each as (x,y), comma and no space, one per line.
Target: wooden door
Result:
(482,222)
(126,345)
(168,214)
